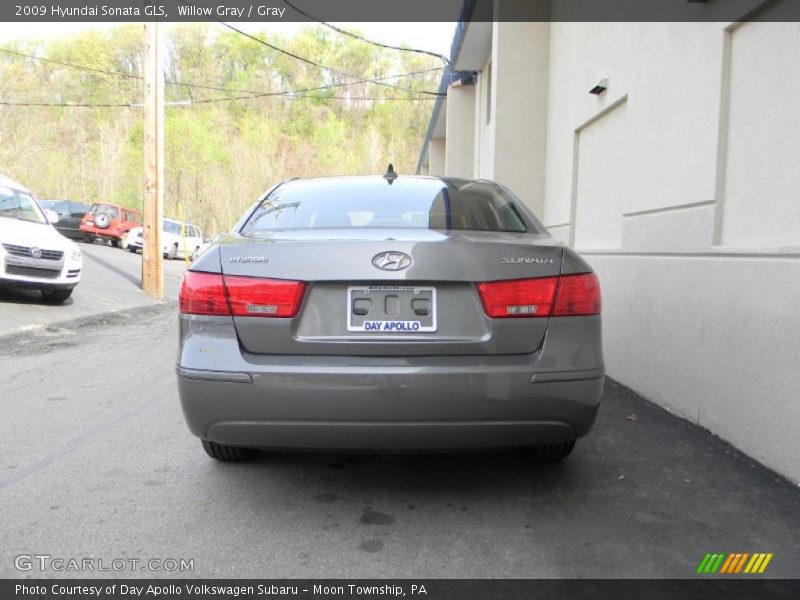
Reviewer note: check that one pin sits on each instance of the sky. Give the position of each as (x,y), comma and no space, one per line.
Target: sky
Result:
(435,37)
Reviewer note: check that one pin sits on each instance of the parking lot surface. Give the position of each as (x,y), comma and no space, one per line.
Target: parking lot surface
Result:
(95,461)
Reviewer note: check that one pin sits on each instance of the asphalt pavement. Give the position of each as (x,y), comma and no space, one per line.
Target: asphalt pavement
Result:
(110,283)
(96,462)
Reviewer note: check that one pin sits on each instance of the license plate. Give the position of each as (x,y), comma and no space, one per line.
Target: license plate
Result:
(391,310)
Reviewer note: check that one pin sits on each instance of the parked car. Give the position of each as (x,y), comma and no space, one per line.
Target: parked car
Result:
(32,253)
(70,214)
(110,222)
(173,242)
(382,314)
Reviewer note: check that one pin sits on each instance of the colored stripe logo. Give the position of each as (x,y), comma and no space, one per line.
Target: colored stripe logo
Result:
(734,563)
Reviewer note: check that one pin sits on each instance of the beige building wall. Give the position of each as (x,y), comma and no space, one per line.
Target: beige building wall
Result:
(681,185)
(519,69)
(510,120)
(436,154)
(459,160)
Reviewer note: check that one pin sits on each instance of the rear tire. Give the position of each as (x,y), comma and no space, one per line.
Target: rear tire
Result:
(550,452)
(224,452)
(56,296)
(132,249)
(115,242)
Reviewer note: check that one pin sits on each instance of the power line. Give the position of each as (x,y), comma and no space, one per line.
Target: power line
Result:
(285,95)
(323,67)
(258,94)
(366,40)
(73,66)
(297,96)
(65,104)
(316,64)
(210,87)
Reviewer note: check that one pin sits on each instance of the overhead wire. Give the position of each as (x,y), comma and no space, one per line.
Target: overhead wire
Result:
(361,38)
(286,96)
(205,86)
(313,63)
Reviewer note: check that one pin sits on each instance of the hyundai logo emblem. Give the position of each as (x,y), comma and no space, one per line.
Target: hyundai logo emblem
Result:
(391,261)
(36,253)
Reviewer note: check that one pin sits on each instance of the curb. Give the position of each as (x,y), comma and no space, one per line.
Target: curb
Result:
(121,317)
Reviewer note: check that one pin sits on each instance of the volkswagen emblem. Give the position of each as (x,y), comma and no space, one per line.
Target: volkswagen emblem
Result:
(36,253)
(391,261)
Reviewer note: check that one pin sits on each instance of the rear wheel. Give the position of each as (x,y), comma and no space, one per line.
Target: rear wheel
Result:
(115,242)
(224,452)
(550,452)
(56,296)
(132,249)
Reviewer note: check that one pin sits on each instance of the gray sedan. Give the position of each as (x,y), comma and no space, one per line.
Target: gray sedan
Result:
(389,314)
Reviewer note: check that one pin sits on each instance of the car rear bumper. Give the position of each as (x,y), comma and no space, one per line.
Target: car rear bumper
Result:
(322,404)
(389,402)
(107,233)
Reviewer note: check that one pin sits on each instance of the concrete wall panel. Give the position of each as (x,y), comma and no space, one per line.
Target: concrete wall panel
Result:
(715,340)
(762,173)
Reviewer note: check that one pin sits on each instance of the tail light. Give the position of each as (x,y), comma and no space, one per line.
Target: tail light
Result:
(568,295)
(203,294)
(578,295)
(518,298)
(215,294)
(255,297)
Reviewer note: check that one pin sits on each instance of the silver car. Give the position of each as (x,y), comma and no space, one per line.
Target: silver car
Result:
(388,314)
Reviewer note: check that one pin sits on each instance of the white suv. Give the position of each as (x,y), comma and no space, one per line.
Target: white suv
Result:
(173,242)
(32,253)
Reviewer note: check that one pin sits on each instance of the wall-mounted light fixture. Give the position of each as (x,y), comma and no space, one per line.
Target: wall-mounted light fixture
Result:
(599,87)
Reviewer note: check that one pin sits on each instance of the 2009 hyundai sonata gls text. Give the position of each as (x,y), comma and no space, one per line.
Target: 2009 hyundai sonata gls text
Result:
(389,313)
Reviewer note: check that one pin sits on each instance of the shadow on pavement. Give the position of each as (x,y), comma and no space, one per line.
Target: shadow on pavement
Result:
(111,267)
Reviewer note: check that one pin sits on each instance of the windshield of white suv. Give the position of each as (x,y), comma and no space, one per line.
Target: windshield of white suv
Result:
(172,227)
(16,204)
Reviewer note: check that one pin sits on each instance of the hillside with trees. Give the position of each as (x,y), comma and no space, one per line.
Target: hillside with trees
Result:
(240,116)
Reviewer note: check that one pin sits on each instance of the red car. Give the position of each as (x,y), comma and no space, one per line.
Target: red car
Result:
(110,222)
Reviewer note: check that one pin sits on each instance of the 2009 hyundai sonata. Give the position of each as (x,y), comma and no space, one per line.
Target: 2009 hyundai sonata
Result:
(389,314)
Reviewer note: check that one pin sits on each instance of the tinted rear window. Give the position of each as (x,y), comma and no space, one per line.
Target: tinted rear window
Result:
(467,205)
(111,211)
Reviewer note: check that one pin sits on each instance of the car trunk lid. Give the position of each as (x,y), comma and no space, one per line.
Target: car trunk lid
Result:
(352,306)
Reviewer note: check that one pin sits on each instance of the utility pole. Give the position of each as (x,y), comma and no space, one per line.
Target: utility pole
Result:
(152,262)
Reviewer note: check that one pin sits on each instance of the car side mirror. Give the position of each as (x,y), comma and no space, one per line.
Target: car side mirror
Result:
(51,215)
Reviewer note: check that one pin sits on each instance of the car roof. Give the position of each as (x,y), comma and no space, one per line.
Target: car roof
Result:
(170,219)
(407,183)
(8,182)
(104,203)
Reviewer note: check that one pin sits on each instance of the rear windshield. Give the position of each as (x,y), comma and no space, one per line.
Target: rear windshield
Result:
(111,211)
(474,206)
